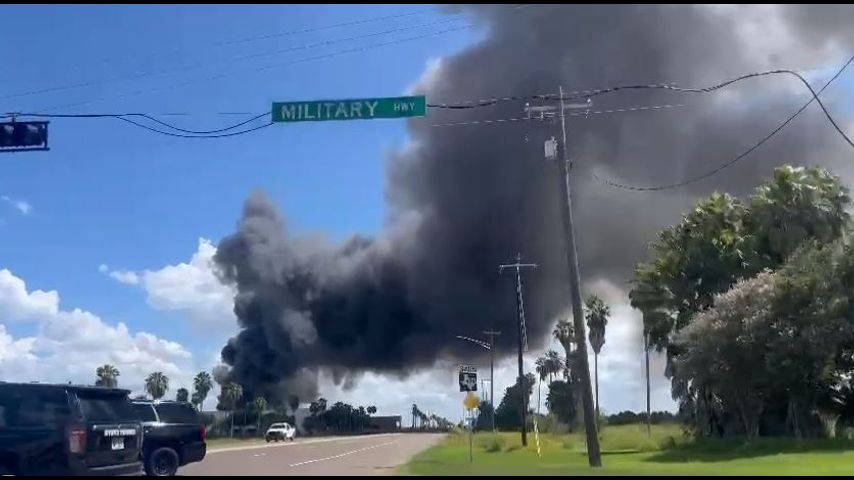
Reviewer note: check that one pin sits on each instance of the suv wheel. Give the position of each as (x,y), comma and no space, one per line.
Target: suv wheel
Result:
(162,462)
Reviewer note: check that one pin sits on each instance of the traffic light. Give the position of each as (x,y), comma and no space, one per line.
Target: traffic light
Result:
(23,136)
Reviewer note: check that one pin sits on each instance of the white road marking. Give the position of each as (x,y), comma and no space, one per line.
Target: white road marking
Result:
(341,454)
(297,443)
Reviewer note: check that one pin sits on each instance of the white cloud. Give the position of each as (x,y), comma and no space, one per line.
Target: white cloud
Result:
(190,288)
(22,206)
(125,276)
(70,344)
(427,80)
(16,304)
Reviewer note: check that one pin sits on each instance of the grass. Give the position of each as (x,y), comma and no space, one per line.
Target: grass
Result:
(216,443)
(627,450)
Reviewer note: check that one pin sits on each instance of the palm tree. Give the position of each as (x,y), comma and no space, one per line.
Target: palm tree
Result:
(542,372)
(597,320)
(372,410)
(231,394)
(108,376)
(202,384)
(565,333)
(554,364)
(182,395)
(260,404)
(157,384)
(415,414)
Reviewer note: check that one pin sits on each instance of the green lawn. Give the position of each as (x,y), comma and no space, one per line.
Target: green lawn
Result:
(217,443)
(628,451)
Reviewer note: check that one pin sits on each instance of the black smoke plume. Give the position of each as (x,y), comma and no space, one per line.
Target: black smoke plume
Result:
(463,199)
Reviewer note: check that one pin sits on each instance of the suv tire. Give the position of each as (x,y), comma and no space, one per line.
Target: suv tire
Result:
(162,462)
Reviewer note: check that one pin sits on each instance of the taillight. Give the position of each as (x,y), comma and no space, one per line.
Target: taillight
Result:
(77,439)
(204,432)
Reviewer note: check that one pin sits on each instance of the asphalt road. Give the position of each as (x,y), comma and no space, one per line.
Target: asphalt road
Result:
(365,455)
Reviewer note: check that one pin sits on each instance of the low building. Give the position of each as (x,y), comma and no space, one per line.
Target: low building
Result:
(390,423)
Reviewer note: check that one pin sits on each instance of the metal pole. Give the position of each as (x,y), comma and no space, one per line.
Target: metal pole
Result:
(520,310)
(593,453)
(648,413)
(492,334)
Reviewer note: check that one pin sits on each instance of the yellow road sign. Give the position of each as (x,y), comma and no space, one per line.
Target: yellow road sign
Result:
(471,401)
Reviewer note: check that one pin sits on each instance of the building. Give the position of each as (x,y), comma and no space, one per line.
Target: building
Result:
(391,423)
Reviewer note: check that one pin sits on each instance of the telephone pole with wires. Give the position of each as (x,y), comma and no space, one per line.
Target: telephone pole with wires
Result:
(564,167)
(523,339)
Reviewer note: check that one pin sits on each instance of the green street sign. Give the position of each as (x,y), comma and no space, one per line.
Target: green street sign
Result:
(355,109)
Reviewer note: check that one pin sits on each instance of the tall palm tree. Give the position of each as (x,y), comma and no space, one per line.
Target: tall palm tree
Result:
(597,320)
(547,366)
(157,384)
(231,394)
(372,410)
(108,376)
(542,372)
(415,414)
(564,333)
(202,384)
(260,404)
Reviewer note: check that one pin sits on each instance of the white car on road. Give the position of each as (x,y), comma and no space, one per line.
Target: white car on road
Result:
(280,431)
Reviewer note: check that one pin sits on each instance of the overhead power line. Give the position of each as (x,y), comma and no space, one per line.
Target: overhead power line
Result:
(814,98)
(238,58)
(127,116)
(181,135)
(337,53)
(551,116)
(364,48)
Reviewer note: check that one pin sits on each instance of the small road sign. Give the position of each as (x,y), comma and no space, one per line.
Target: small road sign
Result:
(468,378)
(471,401)
(354,109)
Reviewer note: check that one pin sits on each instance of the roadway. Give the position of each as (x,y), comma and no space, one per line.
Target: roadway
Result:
(363,455)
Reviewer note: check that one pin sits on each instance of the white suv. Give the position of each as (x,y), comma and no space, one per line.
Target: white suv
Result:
(280,431)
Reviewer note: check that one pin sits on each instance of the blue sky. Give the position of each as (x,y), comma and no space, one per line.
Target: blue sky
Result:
(111,201)
(108,193)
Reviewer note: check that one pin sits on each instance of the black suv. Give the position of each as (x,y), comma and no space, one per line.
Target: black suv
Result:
(174,436)
(65,429)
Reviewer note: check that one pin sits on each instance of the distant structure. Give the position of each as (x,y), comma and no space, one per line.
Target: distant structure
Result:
(390,423)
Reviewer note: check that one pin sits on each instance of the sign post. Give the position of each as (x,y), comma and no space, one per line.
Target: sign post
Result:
(352,109)
(471,402)
(468,378)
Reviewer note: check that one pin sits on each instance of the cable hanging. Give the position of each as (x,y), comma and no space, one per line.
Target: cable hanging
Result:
(814,98)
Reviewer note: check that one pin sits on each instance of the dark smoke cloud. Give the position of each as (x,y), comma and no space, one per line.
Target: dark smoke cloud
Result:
(463,199)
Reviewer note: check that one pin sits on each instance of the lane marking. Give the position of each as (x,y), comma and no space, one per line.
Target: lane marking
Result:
(298,443)
(340,455)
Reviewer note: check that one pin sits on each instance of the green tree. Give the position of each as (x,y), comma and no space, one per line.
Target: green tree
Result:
(230,395)
(562,403)
(202,385)
(724,240)
(107,376)
(157,384)
(182,395)
(597,319)
(372,410)
(796,205)
(508,414)
(564,333)
(260,405)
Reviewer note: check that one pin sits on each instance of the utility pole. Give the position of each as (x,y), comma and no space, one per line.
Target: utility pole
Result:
(648,413)
(492,334)
(593,453)
(523,339)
